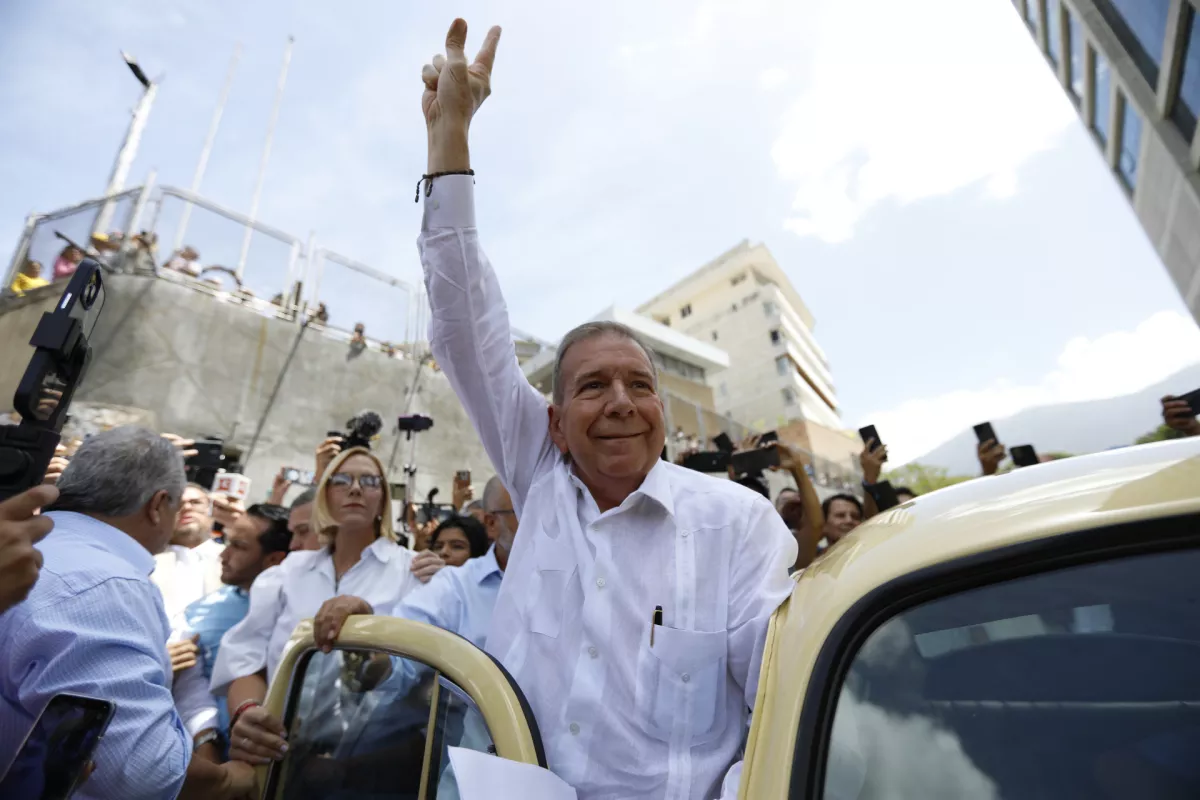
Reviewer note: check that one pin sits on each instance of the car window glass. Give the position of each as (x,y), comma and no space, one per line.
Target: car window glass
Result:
(1080,682)
(360,726)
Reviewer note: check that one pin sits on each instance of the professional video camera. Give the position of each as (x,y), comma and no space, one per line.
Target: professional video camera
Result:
(60,358)
(743,466)
(360,430)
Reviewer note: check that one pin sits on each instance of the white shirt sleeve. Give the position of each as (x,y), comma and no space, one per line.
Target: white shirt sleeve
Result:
(196,706)
(472,341)
(758,584)
(244,646)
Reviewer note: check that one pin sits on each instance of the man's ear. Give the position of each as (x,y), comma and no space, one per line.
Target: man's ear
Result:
(557,429)
(159,507)
(273,559)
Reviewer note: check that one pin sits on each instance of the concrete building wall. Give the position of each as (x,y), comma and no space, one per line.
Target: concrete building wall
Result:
(1165,187)
(203,366)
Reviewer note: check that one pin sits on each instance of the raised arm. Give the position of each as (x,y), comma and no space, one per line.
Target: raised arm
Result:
(469,330)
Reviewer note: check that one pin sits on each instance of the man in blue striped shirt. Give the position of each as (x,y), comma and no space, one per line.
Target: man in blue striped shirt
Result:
(94,624)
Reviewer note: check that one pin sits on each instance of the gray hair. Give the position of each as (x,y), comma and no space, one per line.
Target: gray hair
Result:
(303,499)
(591,330)
(490,490)
(117,472)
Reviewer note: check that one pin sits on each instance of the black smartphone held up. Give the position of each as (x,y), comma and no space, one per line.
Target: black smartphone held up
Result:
(51,762)
(723,442)
(869,434)
(203,467)
(984,433)
(1192,398)
(712,461)
(1023,455)
(767,438)
(754,462)
(463,475)
(884,495)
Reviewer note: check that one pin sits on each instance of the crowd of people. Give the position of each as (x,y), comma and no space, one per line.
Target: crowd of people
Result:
(627,596)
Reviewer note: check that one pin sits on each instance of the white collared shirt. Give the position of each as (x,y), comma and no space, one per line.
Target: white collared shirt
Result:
(295,591)
(618,717)
(185,574)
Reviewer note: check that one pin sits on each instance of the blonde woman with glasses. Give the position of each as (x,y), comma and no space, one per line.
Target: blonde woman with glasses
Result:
(359,556)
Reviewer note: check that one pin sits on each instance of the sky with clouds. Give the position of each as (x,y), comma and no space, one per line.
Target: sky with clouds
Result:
(912,166)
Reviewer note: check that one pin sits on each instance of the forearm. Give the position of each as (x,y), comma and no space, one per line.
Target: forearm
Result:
(814,517)
(243,690)
(205,780)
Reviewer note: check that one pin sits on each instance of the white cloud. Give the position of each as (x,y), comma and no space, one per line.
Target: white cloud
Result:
(913,100)
(1114,364)
(772,78)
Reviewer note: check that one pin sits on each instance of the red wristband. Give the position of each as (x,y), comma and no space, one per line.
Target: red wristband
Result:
(242,709)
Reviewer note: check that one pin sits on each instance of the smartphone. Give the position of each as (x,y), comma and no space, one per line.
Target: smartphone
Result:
(713,461)
(768,437)
(51,762)
(723,442)
(753,462)
(869,434)
(1023,455)
(1192,399)
(884,495)
(984,433)
(463,476)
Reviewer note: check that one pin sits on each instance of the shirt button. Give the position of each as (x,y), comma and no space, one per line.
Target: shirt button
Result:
(684,534)
(593,652)
(600,582)
(574,728)
(685,677)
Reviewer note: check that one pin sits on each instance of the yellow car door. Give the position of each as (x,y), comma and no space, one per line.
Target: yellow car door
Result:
(376,717)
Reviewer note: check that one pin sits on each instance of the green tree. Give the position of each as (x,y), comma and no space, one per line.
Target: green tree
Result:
(923,479)
(1159,434)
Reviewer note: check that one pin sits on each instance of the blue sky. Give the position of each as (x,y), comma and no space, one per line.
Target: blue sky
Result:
(912,166)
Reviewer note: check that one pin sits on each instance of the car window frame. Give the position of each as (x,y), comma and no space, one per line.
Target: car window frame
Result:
(885,602)
(497,697)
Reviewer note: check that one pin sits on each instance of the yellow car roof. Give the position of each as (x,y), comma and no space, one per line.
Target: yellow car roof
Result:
(1143,481)
(981,515)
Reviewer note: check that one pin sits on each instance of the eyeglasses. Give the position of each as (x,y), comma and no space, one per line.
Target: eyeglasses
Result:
(345,480)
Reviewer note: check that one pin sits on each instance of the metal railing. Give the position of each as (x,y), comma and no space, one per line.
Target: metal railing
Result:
(281,276)
(78,222)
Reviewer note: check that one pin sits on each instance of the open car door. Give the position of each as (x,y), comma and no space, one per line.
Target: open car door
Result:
(375,717)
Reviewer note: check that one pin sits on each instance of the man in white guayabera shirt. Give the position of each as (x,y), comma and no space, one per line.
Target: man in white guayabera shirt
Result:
(609,533)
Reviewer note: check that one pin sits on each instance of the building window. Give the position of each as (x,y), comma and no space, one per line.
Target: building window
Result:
(1140,26)
(686,311)
(1102,107)
(776,337)
(714,335)
(782,365)
(789,397)
(724,389)
(1075,45)
(1054,31)
(1131,142)
(737,279)
(768,308)
(1029,12)
(1187,104)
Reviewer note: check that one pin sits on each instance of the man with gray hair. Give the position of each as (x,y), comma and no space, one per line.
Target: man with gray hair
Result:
(94,624)
(635,604)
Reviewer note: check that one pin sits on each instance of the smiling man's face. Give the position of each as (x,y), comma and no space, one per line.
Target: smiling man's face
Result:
(610,419)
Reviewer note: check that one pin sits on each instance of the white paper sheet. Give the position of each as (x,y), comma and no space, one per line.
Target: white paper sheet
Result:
(481,776)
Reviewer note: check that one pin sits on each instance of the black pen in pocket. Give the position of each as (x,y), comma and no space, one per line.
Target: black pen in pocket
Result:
(655,621)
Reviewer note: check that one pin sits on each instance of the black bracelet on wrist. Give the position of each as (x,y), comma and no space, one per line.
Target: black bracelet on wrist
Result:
(428,181)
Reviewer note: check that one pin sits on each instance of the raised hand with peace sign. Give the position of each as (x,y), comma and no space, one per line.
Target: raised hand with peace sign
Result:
(454,90)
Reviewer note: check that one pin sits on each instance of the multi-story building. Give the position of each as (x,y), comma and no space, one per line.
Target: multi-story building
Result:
(684,366)
(1132,69)
(743,303)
